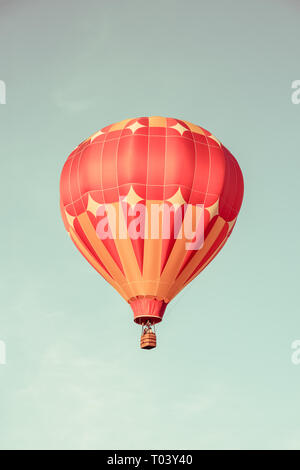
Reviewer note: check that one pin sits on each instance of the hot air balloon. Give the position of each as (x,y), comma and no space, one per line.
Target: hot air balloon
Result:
(149,202)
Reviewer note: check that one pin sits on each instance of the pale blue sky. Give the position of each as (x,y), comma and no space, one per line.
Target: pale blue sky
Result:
(222,376)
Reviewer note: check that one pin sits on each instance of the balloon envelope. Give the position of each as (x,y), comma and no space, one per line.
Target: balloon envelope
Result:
(149,202)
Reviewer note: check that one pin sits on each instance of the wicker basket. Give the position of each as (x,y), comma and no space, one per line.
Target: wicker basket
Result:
(148,340)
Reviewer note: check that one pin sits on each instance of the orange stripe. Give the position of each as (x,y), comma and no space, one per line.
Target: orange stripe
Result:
(176,258)
(100,248)
(203,266)
(152,252)
(125,248)
(76,240)
(196,260)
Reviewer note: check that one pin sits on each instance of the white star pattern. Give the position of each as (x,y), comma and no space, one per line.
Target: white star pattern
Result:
(132,197)
(135,126)
(93,137)
(70,218)
(177,198)
(214,209)
(215,139)
(92,205)
(178,127)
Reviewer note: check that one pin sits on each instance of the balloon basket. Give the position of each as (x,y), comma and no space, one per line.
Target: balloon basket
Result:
(148,338)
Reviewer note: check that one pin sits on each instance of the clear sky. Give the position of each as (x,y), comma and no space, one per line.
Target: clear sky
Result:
(222,376)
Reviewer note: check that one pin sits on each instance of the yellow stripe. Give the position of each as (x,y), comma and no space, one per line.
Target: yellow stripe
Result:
(194,128)
(124,247)
(157,121)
